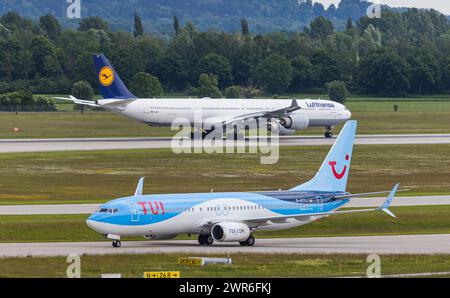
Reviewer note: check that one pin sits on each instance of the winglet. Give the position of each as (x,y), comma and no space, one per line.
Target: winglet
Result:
(139,187)
(388,201)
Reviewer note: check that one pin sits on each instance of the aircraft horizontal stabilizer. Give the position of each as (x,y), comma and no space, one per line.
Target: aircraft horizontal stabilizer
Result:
(79,101)
(308,216)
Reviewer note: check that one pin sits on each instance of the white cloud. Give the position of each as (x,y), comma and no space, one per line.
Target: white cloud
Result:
(441,5)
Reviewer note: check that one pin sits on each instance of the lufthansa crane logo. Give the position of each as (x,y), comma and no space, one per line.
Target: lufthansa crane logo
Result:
(106,76)
(336,174)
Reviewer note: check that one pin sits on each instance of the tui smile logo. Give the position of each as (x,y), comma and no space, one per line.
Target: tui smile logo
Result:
(106,76)
(340,175)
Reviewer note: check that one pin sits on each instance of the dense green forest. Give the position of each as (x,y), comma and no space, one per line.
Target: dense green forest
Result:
(224,15)
(398,54)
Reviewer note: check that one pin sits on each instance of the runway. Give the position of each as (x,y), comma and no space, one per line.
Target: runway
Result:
(411,244)
(68,209)
(49,145)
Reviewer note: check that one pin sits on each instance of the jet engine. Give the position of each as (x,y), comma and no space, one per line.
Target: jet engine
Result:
(159,237)
(230,232)
(276,127)
(294,122)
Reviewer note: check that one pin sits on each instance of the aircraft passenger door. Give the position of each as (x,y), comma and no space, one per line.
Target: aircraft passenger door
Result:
(319,203)
(134,211)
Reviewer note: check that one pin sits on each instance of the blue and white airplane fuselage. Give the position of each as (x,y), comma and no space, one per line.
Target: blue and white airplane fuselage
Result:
(167,215)
(234,216)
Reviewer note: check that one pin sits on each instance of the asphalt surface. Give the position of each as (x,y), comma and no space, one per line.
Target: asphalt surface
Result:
(49,145)
(90,208)
(411,244)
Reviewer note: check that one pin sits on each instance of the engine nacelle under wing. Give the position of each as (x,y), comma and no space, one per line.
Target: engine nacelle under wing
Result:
(294,122)
(230,232)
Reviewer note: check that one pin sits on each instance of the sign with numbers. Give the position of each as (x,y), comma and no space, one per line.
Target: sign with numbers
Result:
(162,274)
(190,261)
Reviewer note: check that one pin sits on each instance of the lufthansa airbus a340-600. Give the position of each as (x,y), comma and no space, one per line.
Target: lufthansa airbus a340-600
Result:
(288,116)
(234,216)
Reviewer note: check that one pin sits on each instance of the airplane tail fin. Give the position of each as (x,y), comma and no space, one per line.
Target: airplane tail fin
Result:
(333,174)
(111,86)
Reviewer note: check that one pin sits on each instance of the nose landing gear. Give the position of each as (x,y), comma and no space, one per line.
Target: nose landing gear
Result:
(329,132)
(116,243)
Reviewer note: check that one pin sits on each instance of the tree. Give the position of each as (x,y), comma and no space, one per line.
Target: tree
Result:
(233,92)
(145,85)
(93,23)
(244,27)
(320,28)
(176,25)
(50,25)
(325,66)
(349,24)
(305,76)
(337,91)
(44,57)
(82,90)
(274,74)
(383,73)
(208,86)
(170,69)
(138,28)
(218,65)
(13,21)
(425,74)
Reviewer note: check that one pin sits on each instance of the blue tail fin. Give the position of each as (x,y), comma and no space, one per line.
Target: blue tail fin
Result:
(111,86)
(333,174)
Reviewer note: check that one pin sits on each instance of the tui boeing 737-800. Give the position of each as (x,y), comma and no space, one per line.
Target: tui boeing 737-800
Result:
(234,216)
(288,116)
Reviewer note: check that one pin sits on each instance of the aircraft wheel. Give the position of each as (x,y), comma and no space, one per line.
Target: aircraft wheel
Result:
(201,239)
(116,243)
(328,134)
(249,242)
(209,240)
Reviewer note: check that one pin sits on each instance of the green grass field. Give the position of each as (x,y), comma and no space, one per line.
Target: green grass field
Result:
(244,265)
(411,220)
(375,117)
(98,176)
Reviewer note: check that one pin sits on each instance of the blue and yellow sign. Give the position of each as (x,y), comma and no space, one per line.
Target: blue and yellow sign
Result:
(106,76)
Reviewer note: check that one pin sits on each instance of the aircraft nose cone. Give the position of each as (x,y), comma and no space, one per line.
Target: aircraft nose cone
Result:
(92,224)
(349,115)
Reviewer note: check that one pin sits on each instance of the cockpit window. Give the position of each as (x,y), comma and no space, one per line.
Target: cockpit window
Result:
(109,210)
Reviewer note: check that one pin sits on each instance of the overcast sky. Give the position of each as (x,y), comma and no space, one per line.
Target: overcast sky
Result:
(441,5)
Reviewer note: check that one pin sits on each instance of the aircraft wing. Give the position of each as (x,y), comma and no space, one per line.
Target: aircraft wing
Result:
(264,114)
(79,101)
(309,216)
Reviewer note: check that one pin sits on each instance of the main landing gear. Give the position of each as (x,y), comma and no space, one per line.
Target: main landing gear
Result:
(329,132)
(116,243)
(204,134)
(205,239)
(249,242)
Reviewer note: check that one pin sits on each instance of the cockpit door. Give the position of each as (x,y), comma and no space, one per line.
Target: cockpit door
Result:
(134,211)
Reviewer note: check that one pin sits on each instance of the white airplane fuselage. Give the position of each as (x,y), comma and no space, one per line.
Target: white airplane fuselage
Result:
(163,112)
